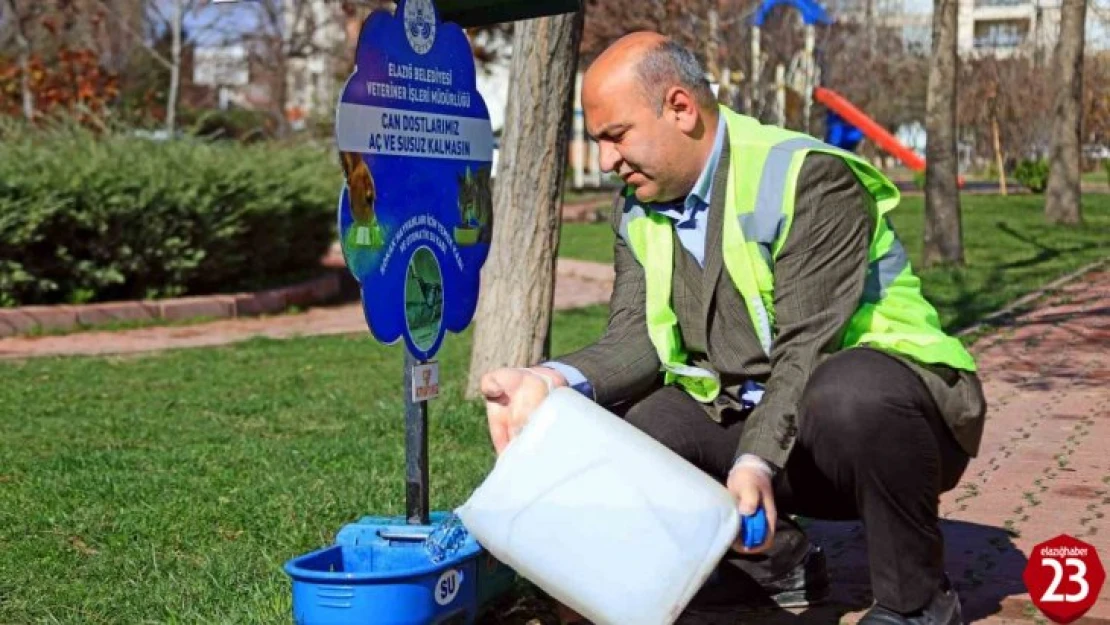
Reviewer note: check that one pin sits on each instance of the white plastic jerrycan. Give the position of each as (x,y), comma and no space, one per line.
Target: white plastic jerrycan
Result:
(601,516)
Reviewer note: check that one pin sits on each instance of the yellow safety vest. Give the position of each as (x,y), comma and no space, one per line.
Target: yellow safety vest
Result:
(759,208)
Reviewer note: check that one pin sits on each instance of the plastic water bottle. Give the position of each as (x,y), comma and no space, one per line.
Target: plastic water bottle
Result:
(446,539)
(602,517)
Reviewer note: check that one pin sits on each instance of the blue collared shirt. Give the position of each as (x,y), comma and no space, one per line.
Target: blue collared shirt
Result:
(691,219)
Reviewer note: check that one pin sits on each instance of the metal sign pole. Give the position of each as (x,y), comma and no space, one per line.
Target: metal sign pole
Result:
(416,449)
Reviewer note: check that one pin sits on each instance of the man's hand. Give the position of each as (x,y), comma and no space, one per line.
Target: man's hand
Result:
(752,488)
(511,395)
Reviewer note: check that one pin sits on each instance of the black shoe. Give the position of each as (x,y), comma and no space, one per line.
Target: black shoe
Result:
(944,609)
(791,574)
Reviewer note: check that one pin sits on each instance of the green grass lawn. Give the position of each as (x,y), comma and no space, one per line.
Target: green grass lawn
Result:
(1010,250)
(1097,175)
(587,241)
(170,488)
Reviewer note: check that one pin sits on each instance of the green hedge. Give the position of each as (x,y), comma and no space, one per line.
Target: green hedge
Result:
(97,218)
(1033,174)
(235,124)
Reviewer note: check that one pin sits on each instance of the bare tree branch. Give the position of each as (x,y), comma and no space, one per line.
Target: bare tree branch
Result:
(138,38)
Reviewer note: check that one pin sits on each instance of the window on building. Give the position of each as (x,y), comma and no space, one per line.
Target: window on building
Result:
(917,38)
(1000,33)
(1002,3)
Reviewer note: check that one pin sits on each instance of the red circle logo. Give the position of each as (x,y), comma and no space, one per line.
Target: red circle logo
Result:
(1064,577)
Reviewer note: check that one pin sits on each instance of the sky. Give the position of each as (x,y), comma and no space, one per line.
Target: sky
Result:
(218,22)
(215,23)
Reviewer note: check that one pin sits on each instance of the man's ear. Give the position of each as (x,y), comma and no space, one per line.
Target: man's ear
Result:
(680,107)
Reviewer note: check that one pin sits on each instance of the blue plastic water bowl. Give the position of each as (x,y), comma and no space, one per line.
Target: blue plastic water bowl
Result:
(494,578)
(378,573)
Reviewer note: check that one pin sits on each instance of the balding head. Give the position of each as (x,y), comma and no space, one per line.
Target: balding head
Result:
(651,63)
(648,105)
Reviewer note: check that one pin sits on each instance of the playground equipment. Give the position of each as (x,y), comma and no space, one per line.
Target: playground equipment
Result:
(804,72)
(849,117)
(845,124)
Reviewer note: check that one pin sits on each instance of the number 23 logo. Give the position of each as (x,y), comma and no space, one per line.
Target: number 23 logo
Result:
(1079,577)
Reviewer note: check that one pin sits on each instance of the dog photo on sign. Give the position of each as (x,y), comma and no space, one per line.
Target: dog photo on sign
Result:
(366,232)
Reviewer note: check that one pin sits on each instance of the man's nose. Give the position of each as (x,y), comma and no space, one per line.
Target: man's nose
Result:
(608,157)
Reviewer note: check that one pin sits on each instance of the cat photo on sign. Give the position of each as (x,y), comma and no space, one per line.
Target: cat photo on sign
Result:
(475,208)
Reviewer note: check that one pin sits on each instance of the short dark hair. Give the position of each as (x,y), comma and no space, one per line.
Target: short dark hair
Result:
(669,64)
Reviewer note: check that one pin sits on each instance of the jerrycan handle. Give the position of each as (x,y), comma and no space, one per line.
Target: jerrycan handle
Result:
(753,528)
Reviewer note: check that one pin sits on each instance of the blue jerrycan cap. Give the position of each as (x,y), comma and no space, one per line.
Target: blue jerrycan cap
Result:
(753,528)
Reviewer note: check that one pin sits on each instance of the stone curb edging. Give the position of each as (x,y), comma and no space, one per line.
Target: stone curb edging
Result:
(585,270)
(990,320)
(26,319)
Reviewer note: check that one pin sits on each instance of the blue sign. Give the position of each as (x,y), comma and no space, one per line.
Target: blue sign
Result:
(415,214)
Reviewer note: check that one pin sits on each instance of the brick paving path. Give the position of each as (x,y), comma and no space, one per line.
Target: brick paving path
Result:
(1042,470)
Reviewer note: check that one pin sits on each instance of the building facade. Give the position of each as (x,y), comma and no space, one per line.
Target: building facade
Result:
(996,27)
(313,79)
(1008,27)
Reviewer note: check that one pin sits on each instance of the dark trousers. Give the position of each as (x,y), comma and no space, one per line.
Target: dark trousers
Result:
(871,445)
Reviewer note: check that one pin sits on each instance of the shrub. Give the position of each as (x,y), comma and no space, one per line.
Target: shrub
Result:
(991,171)
(71,80)
(234,124)
(1032,174)
(919,180)
(95,218)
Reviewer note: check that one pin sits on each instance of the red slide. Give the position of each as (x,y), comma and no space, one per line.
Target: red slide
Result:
(870,129)
(873,131)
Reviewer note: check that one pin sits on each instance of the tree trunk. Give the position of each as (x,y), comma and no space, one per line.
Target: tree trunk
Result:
(943,236)
(999,158)
(19,23)
(713,44)
(872,32)
(28,97)
(352,28)
(513,319)
(869,59)
(279,97)
(175,69)
(1063,193)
